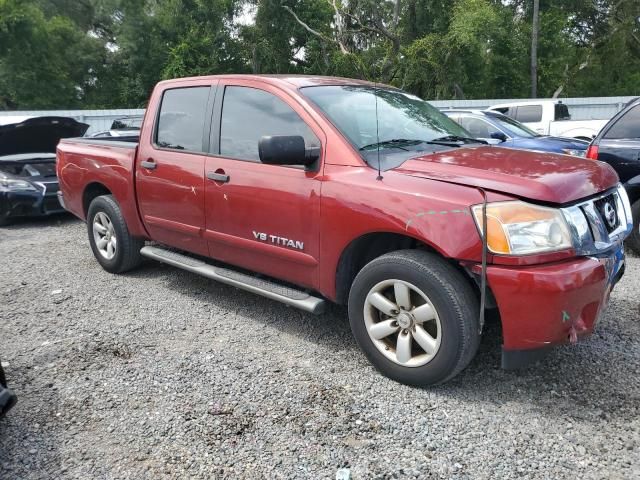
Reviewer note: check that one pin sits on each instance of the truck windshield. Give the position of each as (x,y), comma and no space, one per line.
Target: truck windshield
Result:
(406,124)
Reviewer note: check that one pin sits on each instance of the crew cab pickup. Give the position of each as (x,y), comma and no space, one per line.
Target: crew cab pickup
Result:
(310,190)
(550,117)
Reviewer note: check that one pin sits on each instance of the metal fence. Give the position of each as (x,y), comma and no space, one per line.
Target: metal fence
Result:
(586,108)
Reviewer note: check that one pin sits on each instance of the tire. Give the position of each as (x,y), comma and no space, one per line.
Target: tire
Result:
(434,285)
(634,239)
(124,254)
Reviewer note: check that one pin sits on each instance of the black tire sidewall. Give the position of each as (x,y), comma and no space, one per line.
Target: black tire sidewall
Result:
(108,206)
(448,356)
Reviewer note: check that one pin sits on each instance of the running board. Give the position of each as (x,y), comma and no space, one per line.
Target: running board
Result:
(266,288)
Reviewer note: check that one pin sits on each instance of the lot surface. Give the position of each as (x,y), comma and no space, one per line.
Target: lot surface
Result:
(163,374)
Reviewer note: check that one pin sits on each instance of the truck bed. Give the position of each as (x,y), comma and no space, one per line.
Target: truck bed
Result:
(106,163)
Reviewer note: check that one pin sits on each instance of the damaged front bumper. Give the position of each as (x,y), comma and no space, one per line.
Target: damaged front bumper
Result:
(546,305)
(44,201)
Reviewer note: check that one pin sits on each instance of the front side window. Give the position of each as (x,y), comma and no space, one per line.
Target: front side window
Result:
(529,113)
(477,127)
(181,119)
(626,127)
(512,127)
(248,114)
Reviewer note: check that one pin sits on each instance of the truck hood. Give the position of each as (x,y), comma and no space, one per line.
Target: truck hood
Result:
(39,134)
(545,177)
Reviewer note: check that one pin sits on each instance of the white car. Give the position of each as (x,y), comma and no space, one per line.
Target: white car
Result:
(550,117)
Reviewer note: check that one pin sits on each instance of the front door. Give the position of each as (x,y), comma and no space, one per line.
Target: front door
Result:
(261,217)
(170,169)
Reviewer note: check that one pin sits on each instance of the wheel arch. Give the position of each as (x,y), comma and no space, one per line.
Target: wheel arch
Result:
(92,191)
(369,246)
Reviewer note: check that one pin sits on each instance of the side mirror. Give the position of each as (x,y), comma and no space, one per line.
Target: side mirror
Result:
(499,136)
(286,150)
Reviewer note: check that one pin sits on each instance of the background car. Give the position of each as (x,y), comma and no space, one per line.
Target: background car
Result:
(550,117)
(618,144)
(28,182)
(488,125)
(122,127)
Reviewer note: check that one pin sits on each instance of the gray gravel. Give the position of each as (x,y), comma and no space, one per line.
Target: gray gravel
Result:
(160,373)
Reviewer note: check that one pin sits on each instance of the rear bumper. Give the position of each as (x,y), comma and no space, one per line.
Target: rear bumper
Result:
(548,305)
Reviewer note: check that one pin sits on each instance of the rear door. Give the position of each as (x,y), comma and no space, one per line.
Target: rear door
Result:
(170,166)
(262,217)
(620,145)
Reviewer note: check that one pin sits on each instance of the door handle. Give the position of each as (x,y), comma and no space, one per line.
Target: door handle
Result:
(149,164)
(218,177)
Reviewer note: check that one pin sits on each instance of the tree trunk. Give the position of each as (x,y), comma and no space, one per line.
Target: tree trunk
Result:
(534,48)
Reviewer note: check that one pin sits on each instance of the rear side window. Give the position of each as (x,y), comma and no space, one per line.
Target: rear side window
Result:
(626,127)
(181,119)
(248,114)
(529,113)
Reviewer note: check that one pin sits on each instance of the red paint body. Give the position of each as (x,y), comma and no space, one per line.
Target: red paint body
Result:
(341,201)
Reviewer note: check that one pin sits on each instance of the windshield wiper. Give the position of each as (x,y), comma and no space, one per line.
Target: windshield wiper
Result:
(394,142)
(458,138)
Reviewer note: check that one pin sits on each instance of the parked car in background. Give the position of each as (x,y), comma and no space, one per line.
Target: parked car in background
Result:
(315,189)
(122,127)
(28,182)
(550,117)
(7,398)
(618,144)
(492,126)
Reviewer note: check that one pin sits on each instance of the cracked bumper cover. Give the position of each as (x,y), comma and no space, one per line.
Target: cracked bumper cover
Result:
(547,305)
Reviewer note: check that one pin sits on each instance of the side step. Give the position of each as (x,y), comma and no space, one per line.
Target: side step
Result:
(266,288)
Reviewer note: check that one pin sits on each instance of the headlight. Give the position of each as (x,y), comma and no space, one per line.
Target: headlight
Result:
(575,153)
(16,185)
(519,228)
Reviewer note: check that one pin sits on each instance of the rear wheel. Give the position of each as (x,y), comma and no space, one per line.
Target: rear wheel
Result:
(415,317)
(634,238)
(114,248)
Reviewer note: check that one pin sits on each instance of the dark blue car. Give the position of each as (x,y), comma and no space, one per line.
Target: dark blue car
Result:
(501,130)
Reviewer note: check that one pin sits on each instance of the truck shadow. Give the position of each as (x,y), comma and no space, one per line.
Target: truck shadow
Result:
(567,383)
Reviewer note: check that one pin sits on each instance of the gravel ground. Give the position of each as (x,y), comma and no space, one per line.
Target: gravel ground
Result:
(162,374)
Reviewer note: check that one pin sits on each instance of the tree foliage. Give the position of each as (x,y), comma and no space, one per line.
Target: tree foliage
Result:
(110,53)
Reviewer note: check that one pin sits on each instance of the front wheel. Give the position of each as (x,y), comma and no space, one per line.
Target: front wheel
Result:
(415,317)
(114,248)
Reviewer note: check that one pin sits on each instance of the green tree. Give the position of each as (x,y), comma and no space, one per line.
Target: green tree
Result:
(44,62)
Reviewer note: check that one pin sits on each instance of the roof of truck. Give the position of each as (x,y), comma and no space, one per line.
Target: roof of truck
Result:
(297,81)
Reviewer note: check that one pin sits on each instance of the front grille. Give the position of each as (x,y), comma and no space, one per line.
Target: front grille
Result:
(607,208)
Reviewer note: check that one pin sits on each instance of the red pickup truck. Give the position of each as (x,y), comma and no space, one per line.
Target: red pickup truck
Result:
(315,189)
